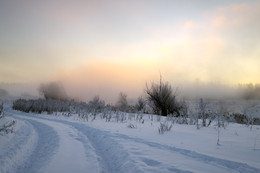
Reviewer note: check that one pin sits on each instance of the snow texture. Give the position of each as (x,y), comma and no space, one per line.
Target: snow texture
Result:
(43,143)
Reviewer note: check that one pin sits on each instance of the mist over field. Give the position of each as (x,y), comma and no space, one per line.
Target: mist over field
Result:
(110,92)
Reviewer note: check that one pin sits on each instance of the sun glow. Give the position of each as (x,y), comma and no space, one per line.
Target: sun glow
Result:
(100,44)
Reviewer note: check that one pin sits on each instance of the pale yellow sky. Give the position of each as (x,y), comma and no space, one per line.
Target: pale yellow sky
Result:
(107,47)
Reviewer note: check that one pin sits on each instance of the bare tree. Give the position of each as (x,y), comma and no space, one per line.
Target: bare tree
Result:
(162,99)
(53,90)
(122,103)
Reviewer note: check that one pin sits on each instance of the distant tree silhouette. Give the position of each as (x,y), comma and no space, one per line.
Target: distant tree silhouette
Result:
(53,90)
(96,103)
(122,103)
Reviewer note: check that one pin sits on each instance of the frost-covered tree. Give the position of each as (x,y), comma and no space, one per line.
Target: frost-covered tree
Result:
(5,126)
(122,103)
(221,113)
(96,103)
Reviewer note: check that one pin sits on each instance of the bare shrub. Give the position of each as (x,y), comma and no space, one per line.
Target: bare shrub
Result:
(108,117)
(256,121)
(162,99)
(131,126)
(181,120)
(164,127)
(240,118)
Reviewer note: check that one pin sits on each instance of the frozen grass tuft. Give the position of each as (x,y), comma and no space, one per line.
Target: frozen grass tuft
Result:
(164,127)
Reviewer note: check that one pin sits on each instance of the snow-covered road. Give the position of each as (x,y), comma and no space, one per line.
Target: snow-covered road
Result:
(54,145)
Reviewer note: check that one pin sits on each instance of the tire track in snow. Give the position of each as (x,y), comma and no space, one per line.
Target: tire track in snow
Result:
(73,152)
(111,152)
(232,165)
(45,147)
(112,156)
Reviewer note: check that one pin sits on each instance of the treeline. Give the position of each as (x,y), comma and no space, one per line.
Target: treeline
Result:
(160,99)
(42,105)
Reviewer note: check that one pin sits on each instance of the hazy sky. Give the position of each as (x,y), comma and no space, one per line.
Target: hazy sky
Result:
(103,47)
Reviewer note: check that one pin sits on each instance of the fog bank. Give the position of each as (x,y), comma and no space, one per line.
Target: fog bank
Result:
(110,92)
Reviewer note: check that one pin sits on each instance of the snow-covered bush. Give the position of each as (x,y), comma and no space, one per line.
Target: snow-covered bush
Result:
(181,120)
(5,125)
(122,103)
(239,118)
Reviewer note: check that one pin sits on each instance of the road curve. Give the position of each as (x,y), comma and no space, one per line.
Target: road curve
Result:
(65,146)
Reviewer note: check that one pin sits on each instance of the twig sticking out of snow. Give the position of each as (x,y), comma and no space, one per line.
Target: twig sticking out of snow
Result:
(132,126)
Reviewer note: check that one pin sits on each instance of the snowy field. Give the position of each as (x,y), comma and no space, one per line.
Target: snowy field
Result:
(48,143)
